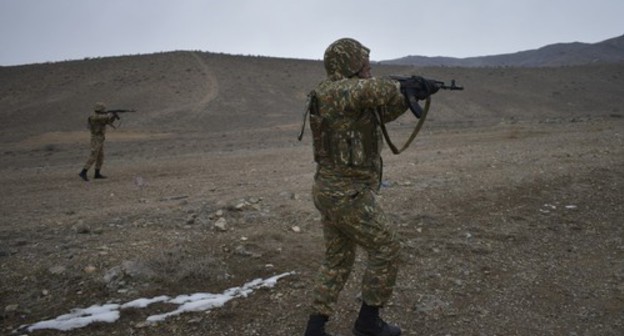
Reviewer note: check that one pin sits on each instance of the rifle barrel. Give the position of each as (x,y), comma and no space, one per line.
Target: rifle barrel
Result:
(453,86)
(120,111)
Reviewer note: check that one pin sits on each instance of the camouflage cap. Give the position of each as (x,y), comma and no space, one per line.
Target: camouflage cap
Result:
(345,58)
(99,107)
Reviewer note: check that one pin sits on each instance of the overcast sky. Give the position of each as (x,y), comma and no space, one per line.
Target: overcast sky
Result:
(34,31)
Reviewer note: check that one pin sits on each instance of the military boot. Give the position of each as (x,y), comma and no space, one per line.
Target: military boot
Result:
(369,323)
(83,175)
(316,326)
(98,175)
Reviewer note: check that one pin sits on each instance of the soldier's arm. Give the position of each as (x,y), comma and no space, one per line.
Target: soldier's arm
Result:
(380,92)
(102,118)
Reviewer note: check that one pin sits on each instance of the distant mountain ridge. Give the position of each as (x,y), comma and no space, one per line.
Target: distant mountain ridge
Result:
(554,55)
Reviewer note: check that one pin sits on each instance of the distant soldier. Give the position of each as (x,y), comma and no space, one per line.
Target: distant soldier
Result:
(97,123)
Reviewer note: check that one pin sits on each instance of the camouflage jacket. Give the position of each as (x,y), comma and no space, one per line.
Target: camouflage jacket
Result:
(344,118)
(97,123)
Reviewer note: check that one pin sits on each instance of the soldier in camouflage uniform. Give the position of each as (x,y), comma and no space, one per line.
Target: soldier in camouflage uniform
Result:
(345,112)
(97,122)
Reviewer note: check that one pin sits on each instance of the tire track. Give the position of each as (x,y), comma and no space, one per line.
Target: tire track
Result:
(212,85)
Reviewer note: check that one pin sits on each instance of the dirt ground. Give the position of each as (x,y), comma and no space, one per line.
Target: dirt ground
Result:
(508,229)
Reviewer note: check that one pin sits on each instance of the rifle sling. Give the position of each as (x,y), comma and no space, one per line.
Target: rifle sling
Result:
(306,112)
(421,121)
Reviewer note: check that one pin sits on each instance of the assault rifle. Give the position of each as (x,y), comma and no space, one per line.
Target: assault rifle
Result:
(416,88)
(115,112)
(116,115)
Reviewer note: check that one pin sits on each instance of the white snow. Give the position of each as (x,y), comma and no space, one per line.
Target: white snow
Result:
(79,318)
(142,303)
(110,313)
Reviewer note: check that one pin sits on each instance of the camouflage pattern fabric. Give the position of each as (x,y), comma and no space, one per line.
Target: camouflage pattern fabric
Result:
(344,58)
(346,134)
(344,117)
(97,125)
(349,220)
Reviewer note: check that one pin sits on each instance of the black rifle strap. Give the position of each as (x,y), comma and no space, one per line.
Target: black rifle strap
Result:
(421,121)
(308,105)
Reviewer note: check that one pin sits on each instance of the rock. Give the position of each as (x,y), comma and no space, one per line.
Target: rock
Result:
(137,269)
(143,324)
(289,195)
(195,320)
(81,228)
(242,251)
(90,269)
(56,270)
(221,224)
(11,308)
(112,274)
(296,229)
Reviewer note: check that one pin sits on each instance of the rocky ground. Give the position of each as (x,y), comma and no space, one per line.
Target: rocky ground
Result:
(508,229)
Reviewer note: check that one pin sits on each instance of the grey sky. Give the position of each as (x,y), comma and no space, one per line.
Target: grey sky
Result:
(33,31)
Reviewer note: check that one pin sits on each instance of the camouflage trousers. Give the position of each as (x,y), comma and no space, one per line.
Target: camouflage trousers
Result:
(97,153)
(352,219)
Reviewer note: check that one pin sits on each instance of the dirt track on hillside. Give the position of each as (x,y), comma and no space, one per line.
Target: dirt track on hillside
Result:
(514,229)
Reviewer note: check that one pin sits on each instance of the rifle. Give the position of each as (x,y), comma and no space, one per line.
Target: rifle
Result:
(116,115)
(115,112)
(416,88)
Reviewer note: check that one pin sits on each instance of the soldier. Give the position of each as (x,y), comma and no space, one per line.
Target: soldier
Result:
(97,122)
(345,112)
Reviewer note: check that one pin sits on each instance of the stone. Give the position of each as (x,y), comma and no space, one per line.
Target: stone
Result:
(221,224)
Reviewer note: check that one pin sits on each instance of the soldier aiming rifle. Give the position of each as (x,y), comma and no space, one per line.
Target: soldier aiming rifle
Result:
(346,112)
(97,122)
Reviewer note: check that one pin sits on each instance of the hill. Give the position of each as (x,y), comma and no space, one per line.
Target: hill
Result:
(188,92)
(562,54)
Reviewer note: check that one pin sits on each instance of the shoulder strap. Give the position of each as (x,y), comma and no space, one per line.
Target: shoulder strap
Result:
(421,121)
(308,106)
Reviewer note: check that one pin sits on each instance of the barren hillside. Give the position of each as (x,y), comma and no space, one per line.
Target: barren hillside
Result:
(190,92)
